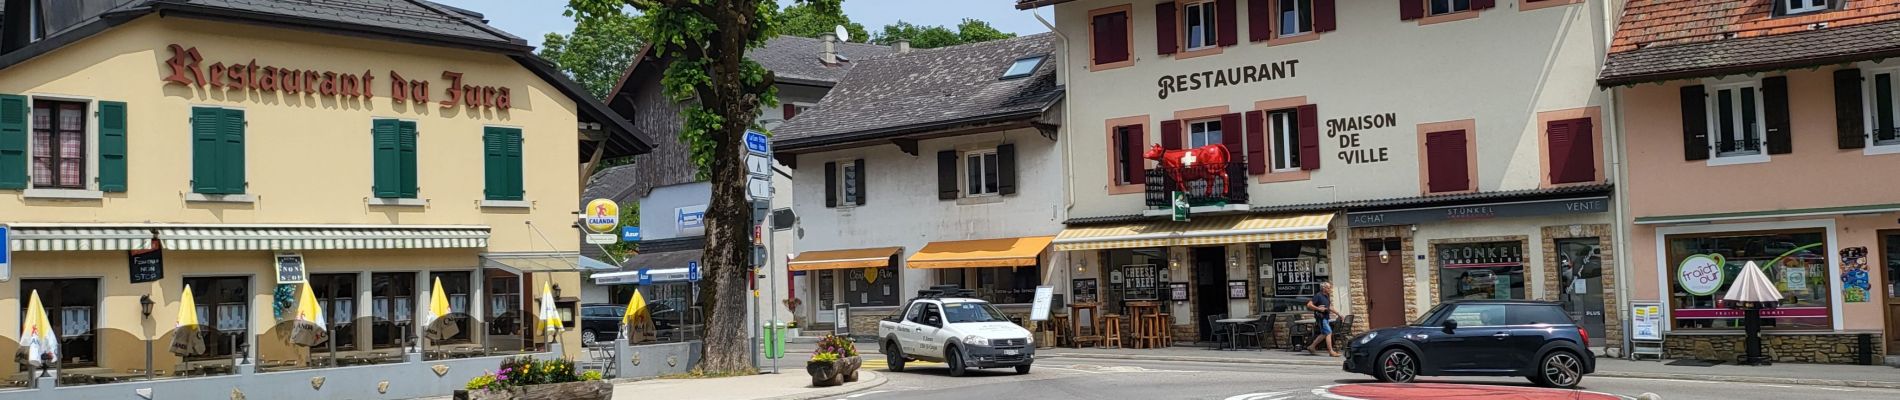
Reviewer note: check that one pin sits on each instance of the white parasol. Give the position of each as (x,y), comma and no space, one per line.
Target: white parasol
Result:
(1752,286)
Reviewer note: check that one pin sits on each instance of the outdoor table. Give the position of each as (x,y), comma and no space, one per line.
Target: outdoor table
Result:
(1232,325)
(1094,312)
(1295,341)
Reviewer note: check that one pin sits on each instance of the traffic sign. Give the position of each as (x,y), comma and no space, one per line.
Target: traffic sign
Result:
(759,188)
(630,233)
(6,252)
(646,279)
(758,256)
(758,165)
(692,271)
(757,143)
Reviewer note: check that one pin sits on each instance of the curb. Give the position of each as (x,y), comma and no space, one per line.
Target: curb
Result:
(874,380)
(1602,373)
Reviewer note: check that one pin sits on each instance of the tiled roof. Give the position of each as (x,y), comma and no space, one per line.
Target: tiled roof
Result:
(1394,203)
(1655,23)
(797,58)
(928,90)
(1753,54)
(409,15)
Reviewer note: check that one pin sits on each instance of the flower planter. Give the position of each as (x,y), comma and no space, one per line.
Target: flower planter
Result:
(834,373)
(586,390)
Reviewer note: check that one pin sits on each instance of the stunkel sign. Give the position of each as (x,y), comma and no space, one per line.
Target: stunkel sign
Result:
(187,68)
(1479,211)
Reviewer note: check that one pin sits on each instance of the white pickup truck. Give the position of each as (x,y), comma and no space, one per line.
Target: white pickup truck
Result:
(962,332)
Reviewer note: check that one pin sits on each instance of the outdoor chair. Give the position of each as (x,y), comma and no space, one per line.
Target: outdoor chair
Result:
(1258,332)
(1297,334)
(1219,333)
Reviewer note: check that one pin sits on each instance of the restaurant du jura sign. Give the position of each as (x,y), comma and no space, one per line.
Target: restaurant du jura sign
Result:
(601,217)
(187,66)
(1700,274)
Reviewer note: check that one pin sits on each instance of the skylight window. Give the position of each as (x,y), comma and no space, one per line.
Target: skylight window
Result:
(1023,67)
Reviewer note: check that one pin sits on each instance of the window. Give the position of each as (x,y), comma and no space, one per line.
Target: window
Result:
(1202,133)
(1883,112)
(1736,116)
(504,304)
(1296,17)
(1200,25)
(1284,126)
(1794,7)
(844,181)
(1481,271)
(980,172)
(1023,67)
(1702,266)
(395,158)
(968,312)
(1538,315)
(455,287)
(1470,315)
(1108,36)
(72,306)
(997,285)
(217,150)
(872,287)
(502,163)
(59,144)
(393,307)
(336,295)
(1130,167)
(224,312)
(1291,273)
(1441,7)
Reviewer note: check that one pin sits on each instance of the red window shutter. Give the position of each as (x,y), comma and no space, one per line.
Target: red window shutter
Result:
(1171,134)
(1411,9)
(1167,35)
(1110,37)
(1226,19)
(1309,137)
(1256,142)
(1572,151)
(790,111)
(1259,20)
(1448,170)
(1134,141)
(1230,134)
(1560,136)
(1483,4)
(1325,16)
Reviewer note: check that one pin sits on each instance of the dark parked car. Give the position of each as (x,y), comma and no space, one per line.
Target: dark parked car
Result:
(600,322)
(1533,339)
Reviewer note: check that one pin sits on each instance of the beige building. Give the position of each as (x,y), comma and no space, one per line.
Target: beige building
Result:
(370,151)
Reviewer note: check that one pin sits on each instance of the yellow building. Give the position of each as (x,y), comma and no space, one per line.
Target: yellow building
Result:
(376,148)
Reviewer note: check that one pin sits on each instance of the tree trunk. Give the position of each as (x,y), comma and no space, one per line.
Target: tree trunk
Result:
(729,214)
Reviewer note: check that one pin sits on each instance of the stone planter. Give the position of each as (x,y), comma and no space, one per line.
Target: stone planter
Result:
(588,390)
(834,373)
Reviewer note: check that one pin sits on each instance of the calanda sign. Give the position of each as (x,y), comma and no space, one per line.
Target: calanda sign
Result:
(187,68)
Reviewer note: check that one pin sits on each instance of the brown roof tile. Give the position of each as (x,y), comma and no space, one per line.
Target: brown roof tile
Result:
(1655,23)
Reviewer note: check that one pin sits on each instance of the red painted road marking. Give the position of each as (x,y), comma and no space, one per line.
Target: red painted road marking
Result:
(1429,391)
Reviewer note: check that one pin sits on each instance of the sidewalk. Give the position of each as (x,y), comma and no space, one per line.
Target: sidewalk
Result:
(1780,373)
(792,384)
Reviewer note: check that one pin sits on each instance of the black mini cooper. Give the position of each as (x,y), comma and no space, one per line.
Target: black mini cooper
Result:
(1533,339)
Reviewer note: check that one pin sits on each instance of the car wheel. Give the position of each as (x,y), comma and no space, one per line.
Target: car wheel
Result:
(1022,370)
(893,357)
(955,358)
(1559,369)
(587,338)
(1396,365)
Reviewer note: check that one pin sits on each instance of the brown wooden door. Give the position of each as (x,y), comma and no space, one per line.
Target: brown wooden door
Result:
(1889,259)
(1385,285)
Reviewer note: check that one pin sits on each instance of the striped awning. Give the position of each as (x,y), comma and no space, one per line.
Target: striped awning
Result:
(837,259)
(1198,232)
(321,238)
(1011,252)
(80,239)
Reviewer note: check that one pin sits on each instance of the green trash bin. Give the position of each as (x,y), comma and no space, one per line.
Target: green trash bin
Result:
(775,340)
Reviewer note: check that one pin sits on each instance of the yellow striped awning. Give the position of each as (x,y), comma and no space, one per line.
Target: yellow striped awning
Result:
(1197,232)
(838,259)
(1011,252)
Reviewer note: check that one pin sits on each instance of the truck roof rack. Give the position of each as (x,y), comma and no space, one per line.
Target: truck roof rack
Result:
(942,291)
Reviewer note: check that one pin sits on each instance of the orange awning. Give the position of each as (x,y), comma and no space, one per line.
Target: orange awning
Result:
(838,259)
(1011,252)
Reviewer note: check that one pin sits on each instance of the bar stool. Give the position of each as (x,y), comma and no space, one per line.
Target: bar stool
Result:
(1167,329)
(1062,327)
(1111,331)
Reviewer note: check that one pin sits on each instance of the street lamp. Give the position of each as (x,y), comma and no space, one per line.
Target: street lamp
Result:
(145,307)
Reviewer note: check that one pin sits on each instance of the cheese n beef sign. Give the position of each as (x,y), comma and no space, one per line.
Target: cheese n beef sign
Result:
(187,68)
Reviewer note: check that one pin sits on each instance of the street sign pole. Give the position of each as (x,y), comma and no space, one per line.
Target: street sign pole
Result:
(759,190)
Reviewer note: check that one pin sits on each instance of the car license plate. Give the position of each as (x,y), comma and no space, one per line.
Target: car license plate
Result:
(1011,352)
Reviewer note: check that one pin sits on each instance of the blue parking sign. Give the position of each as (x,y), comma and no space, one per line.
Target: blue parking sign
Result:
(646,279)
(692,271)
(6,252)
(757,143)
(630,234)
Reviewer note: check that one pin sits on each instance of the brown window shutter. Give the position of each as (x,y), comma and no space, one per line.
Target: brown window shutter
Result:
(1448,170)
(1774,91)
(1259,20)
(1134,141)
(1006,169)
(1849,121)
(1110,37)
(1695,123)
(1483,4)
(1411,9)
(831,184)
(1325,16)
(1167,35)
(1226,21)
(1231,134)
(1171,138)
(1309,137)
(860,180)
(1256,142)
(947,175)
(790,111)
(1572,151)
(1558,139)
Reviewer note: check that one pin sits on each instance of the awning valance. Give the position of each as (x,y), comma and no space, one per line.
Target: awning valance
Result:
(80,239)
(1198,232)
(838,259)
(533,262)
(322,238)
(1011,252)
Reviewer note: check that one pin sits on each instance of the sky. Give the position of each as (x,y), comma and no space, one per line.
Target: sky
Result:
(533,19)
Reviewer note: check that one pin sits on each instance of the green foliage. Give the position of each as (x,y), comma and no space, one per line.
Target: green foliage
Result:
(484,382)
(835,345)
(590,376)
(597,52)
(823,358)
(805,20)
(525,370)
(934,36)
(629,216)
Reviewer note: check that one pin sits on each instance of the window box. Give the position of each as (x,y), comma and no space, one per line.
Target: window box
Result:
(506,204)
(401,202)
(65,194)
(219,198)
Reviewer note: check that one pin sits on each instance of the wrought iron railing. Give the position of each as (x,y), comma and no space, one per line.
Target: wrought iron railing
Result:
(1203,184)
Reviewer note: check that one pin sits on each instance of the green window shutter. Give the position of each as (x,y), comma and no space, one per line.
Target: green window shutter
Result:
(512,141)
(13,141)
(406,154)
(207,125)
(384,133)
(234,181)
(492,159)
(112,146)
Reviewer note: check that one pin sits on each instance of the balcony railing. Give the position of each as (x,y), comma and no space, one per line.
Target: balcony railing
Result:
(1203,184)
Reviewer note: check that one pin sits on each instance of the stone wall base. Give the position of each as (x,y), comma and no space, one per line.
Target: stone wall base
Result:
(1805,348)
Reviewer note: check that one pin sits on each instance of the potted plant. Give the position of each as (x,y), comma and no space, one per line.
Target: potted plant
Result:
(524,378)
(834,362)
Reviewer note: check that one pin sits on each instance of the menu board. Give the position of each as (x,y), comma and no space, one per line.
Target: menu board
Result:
(1293,276)
(1141,282)
(147,265)
(1178,291)
(1647,319)
(1084,290)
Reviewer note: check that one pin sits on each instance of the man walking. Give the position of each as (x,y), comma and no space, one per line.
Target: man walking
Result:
(1322,306)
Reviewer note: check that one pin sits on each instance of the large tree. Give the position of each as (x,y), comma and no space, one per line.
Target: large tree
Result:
(934,36)
(597,52)
(722,93)
(806,20)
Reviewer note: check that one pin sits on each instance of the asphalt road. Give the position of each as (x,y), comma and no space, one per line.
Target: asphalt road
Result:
(1090,379)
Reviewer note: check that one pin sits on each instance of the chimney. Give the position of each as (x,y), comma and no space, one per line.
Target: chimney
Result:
(830,56)
(902,46)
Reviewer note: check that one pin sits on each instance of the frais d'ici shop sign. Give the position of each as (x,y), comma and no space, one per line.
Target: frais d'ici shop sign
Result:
(188,67)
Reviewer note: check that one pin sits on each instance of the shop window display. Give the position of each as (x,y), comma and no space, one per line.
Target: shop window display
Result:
(1703,266)
(1290,273)
(1493,270)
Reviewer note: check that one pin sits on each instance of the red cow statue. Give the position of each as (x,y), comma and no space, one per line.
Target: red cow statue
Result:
(1208,163)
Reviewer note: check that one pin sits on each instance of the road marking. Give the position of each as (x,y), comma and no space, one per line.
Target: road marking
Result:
(1835,389)
(1778,386)
(1326,391)
(1257,396)
(863,394)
